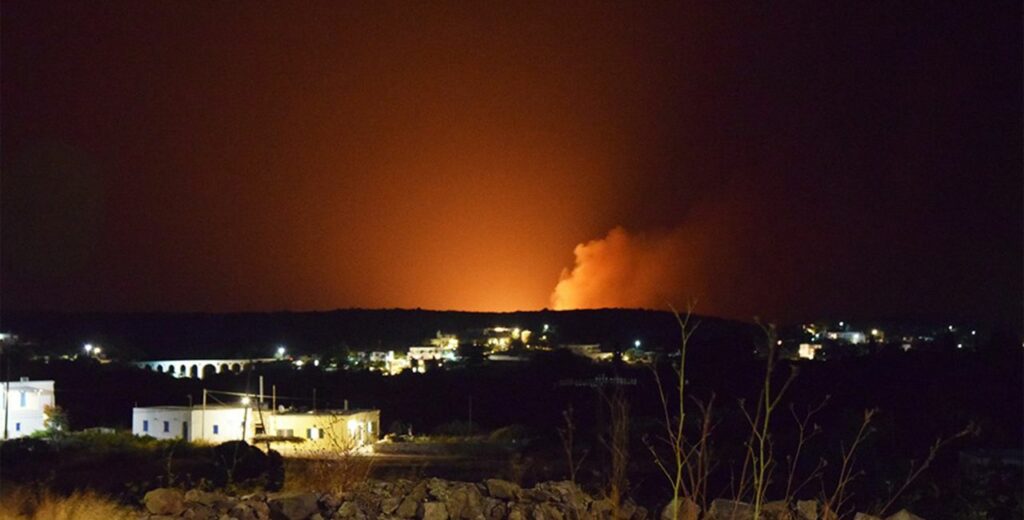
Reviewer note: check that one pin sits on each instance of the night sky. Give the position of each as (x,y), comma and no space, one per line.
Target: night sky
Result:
(767,159)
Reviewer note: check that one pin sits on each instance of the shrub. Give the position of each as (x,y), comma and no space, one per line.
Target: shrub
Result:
(17,503)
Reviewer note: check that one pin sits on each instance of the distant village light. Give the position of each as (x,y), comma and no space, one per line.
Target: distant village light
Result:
(636,343)
(88,348)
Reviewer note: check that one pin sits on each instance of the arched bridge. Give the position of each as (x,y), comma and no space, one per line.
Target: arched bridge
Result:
(200,368)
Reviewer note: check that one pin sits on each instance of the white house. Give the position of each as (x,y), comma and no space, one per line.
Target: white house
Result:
(215,424)
(23,405)
(292,433)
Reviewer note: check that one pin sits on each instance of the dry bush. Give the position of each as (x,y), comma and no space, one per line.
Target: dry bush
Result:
(333,468)
(326,472)
(22,503)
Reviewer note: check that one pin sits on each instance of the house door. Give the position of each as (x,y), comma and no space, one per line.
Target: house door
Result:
(184,431)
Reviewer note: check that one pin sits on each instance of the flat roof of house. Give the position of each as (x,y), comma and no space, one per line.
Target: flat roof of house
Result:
(196,407)
(350,411)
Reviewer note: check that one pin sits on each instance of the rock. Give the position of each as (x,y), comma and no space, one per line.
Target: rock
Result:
(250,510)
(601,508)
(293,506)
(516,513)
(551,511)
(408,507)
(390,505)
(903,514)
(331,501)
(437,488)
(165,501)
(688,510)
(865,516)
(258,496)
(464,502)
(807,509)
(640,513)
(433,511)
(206,498)
(722,509)
(777,510)
(504,489)
(316,516)
(494,509)
(538,495)
(350,510)
(200,512)
(418,492)
(626,510)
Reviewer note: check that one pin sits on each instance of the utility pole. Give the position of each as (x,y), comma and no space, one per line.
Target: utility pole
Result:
(314,399)
(7,389)
(202,424)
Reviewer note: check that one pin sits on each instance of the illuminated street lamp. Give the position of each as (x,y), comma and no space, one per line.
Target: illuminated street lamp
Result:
(88,348)
(246,401)
(280,351)
(636,343)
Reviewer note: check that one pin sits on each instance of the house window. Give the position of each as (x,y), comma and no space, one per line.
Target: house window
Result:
(167,426)
(314,433)
(369,426)
(17,426)
(145,426)
(21,399)
(286,433)
(216,429)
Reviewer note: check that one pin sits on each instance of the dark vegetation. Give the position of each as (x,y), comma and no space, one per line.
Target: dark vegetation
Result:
(123,466)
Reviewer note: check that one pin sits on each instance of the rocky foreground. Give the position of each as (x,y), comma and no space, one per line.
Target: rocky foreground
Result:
(436,499)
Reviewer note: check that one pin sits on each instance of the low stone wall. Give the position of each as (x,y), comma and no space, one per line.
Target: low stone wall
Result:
(437,499)
(431,499)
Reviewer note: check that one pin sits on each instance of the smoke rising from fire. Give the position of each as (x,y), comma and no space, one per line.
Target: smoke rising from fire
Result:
(733,254)
(626,269)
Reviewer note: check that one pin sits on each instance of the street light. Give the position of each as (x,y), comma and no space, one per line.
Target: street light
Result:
(88,348)
(636,343)
(280,351)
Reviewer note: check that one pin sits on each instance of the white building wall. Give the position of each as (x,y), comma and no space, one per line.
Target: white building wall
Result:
(214,425)
(162,422)
(27,400)
(218,425)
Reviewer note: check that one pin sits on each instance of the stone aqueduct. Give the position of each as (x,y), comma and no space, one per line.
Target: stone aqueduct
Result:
(200,368)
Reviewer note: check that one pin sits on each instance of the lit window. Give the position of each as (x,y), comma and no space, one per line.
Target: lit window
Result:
(167,426)
(145,426)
